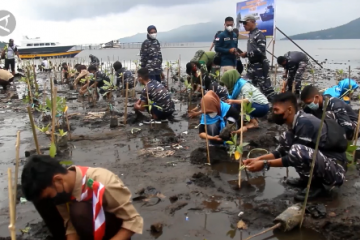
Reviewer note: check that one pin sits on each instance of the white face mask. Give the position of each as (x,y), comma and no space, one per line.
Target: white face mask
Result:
(91,74)
(152,35)
(212,115)
(229,28)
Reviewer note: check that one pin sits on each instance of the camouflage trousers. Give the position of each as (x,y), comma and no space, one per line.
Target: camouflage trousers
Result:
(297,76)
(258,74)
(327,170)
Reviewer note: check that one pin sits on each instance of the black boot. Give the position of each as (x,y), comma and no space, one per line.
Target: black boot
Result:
(297,182)
(315,192)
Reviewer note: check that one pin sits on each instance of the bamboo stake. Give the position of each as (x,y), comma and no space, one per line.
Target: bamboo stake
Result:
(11,206)
(167,76)
(356,136)
(206,132)
(123,82)
(126,102)
(68,125)
(241,137)
(313,161)
(33,130)
(53,115)
(17,154)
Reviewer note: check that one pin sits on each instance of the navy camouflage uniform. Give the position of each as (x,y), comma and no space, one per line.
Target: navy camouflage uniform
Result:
(341,112)
(161,98)
(297,63)
(258,68)
(296,148)
(94,60)
(100,77)
(151,58)
(128,78)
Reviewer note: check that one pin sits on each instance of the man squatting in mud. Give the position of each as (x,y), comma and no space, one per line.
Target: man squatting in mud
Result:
(258,69)
(93,202)
(297,147)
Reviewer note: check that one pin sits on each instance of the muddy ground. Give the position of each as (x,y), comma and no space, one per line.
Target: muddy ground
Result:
(201,201)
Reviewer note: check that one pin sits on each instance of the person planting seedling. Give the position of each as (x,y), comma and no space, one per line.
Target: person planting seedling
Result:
(156,97)
(257,105)
(80,202)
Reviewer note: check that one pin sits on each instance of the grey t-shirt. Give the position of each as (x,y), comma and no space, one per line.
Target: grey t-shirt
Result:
(253,94)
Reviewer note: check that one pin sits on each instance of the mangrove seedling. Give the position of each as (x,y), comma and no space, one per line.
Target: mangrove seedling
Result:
(247,110)
(43,129)
(151,104)
(235,149)
(109,86)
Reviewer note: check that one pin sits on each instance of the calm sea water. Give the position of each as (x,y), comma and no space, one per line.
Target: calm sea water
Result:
(339,53)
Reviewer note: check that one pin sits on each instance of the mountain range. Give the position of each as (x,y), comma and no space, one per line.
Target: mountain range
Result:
(347,31)
(205,32)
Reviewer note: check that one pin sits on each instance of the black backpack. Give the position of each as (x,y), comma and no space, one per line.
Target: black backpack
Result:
(336,137)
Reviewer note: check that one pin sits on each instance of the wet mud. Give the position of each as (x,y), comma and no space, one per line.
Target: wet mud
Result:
(177,193)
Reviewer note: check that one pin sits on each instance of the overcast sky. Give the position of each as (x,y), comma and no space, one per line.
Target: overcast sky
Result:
(97,21)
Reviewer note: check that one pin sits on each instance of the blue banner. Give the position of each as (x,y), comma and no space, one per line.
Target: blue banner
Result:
(262,10)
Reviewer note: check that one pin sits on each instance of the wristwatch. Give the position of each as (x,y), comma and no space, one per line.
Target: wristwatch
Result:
(266,165)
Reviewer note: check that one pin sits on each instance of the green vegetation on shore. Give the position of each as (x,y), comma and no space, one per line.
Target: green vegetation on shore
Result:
(347,31)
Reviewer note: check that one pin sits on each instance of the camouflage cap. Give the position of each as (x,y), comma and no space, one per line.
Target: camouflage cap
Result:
(248,18)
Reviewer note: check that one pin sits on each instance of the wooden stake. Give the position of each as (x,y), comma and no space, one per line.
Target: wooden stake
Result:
(126,101)
(11,207)
(68,125)
(53,115)
(206,132)
(33,130)
(17,154)
(241,137)
(276,68)
(123,82)
(313,161)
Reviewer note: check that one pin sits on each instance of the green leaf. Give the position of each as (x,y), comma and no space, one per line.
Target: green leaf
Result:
(52,151)
(349,157)
(229,142)
(239,149)
(67,162)
(245,144)
(247,117)
(107,83)
(351,148)
(150,107)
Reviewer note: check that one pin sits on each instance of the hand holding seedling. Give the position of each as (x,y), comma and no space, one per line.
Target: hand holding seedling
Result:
(243,55)
(254,165)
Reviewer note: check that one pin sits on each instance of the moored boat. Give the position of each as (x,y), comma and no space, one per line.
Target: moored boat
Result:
(36,48)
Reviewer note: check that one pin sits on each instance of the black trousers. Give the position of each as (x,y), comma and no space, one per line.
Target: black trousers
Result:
(81,215)
(9,62)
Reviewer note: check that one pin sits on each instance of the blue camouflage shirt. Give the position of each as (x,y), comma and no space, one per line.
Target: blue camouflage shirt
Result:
(159,95)
(151,56)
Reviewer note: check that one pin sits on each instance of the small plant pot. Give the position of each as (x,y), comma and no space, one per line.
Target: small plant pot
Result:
(114,122)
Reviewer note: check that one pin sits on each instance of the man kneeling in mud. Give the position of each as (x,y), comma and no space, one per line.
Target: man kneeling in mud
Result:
(297,147)
(157,96)
(93,202)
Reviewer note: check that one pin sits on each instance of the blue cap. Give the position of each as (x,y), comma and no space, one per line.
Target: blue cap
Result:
(150,28)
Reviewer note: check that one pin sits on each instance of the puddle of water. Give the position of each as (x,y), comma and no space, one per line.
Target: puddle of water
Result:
(266,187)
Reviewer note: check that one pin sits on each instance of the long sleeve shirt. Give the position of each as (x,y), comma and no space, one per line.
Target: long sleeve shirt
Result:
(304,131)
(224,42)
(293,60)
(344,115)
(256,46)
(116,199)
(151,56)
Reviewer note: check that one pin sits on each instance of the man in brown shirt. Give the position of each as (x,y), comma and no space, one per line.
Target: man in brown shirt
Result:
(5,78)
(76,191)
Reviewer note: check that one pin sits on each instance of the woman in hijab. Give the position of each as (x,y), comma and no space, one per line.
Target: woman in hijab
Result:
(216,113)
(210,84)
(239,88)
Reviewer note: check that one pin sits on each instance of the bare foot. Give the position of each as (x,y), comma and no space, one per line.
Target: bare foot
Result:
(253,124)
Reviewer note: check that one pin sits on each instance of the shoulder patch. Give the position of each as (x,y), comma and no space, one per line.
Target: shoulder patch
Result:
(227,39)
(217,39)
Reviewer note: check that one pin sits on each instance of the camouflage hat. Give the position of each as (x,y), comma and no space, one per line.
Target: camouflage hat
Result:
(248,18)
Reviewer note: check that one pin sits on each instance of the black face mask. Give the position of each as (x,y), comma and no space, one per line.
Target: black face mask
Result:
(61,197)
(278,119)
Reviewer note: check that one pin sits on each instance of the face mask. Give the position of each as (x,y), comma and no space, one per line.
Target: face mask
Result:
(153,35)
(278,119)
(61,197)
(212,115)
(229,28)
(313,105)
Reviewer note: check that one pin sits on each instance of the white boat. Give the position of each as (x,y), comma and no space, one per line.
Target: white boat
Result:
(36,48)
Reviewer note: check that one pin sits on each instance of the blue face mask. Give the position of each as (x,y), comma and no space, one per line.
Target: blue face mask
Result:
(313,105)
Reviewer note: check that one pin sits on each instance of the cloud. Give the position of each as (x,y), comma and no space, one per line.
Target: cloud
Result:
(93,21)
